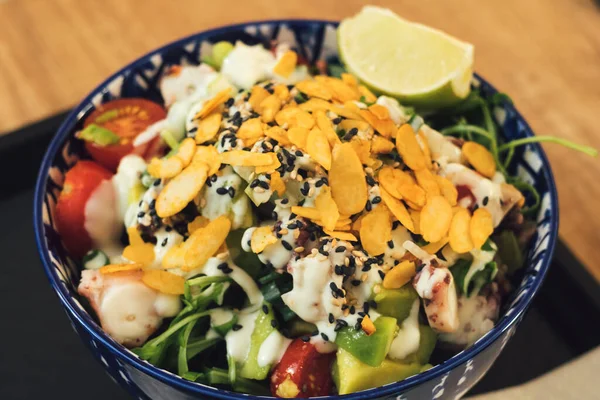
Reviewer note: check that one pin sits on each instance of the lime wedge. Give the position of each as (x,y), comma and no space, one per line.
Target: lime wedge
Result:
(416,64)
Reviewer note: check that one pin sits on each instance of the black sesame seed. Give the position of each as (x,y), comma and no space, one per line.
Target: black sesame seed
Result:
(314,333)
(229,102)
(333,286)
(376,200)
(292,216)
(222,191)
(395,225)
(305,338)
(236,327)
(298,153)
(227,270)
(157,182)
(338,270)
(325,253)
(237,115)
(366,307)
(164,242)
(284,201)
(381,274)
(485,200)
(366,267)
(371,181)
(390,244)
(303,173)
(337,120)
(340,249)
(265,309)
(222,266)
(358,326)
(274,323)
(361,313)
(355,282)
(193,130)
(475,207)
(274,215)
(331,318)
(254,183)
(231,192)
(325,337)
(373,304)
(352,310)
(141,214)
(263,185)
(368,206)
(213,178)
(286,245)
(168,229)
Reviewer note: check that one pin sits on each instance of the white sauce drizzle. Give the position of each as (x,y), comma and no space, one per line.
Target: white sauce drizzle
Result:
(238,342)
(272,349)
(409,336)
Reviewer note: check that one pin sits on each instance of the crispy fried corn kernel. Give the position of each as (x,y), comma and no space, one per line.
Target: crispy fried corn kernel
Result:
(447,189)
(257,95)
(317,146)
(427,181)
(165,167)
(298,136)
(460,231)
(181,190)
(381,145)
(409,149)
(209,156)
(326,127)
(398,209)
(348,110)
(379,111)
(163,281)
(261,238)
(369,96)
(480,158)
(277,184)
(208,128)
(327,208)
(338,89)
(315,104)
(246,158)
(422,139)
(186,151)
(251,128)
(349,80)
(413,194)
(385,127)
(294,116)
(400,275)
(212,104)
(436,216)
(114,268)
(376,231)
(347,180)
(277,133)
(204,243)
(341,235)
(307,212)
(141,253)
(286,64)
(481,227)
(391,179)
(269,168)
(363,150)
(312,88)
(416,218)
(197,223)
(434,247)
(282,92)
(359,124)
(269,107)
(367,326)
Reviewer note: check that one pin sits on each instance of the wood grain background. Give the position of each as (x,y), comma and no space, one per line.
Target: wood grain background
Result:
(545,54)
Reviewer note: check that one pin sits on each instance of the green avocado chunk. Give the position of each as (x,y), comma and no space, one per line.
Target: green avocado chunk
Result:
(351,375)
(372,349)
(427,341)
(262,329)
(396,303)
(98,135)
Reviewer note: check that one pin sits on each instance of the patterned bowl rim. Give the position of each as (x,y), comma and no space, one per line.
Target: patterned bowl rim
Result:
(85,320)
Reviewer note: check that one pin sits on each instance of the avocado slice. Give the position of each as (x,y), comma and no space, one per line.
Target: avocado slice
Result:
(262,329)
(98,135)
(247,261)
(351,375)
(371,349)
(396,303)
(427,341)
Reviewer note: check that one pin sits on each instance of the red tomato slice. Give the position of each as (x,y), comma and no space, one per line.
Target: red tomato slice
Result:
(127,118)
(80,183)
(303,372)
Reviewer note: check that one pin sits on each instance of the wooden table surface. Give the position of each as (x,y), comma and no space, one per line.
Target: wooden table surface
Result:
(545,54)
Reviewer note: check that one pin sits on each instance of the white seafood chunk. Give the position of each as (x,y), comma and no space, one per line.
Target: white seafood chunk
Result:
(436,287)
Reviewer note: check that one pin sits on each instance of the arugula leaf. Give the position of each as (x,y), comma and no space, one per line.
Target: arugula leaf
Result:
(335,70)
(459,271)
(509,251)
(488,245)
(483,277)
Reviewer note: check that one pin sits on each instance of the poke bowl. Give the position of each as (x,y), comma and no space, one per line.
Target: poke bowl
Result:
(315,42)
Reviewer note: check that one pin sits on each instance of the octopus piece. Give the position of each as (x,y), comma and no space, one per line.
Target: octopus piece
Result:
(436,287)
(129,311)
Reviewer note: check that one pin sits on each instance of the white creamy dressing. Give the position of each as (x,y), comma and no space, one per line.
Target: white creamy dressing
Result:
(397,113)
(127,177)
(237,209)
(480,259)
(220,316)
(149,133)
(238,342)
(476,315)
(212,334)
(421,254)
(238,275)
(190,83)
(409,336)
(97,262)
(170,239)
(480,186)
(102,221)
(399,236)
(442,149)
(427,281)
(272,349)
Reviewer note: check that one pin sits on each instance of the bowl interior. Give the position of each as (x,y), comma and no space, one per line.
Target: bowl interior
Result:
(314,40)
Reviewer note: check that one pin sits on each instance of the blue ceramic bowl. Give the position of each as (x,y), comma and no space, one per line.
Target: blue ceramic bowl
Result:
(314,40)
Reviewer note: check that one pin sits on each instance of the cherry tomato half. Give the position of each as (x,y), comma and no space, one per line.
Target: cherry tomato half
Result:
(80,183)
(303,372)
(127,118)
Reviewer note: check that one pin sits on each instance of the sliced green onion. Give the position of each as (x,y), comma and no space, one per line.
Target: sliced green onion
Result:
(590,151)
(466,128)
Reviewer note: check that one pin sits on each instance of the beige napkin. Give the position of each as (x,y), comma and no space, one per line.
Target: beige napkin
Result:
(577,380)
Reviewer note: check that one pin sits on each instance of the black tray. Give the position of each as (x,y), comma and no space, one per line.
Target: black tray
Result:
(41,357)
